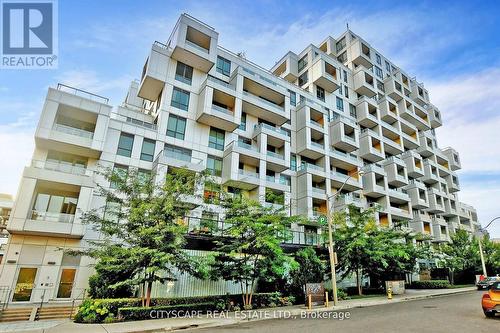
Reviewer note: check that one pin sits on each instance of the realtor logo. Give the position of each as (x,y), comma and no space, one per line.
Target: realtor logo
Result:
(29,34)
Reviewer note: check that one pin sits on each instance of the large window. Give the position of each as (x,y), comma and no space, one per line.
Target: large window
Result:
(340,104)
(184,73)
(243,124)
(340,44)
(54,208)
(303,79)
(379,59)
(148,150)
(216,138)
(176,127)
(320,93)
(178,153)
(378,72)
(223,66)
(293,98)
(180,99)
(119,171)
(214,165)
(125,144)
(302,63)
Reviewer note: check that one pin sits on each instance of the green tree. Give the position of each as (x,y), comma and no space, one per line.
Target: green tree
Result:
(143,228)
(461,254)
(366,249)
(252,233)
(309,268)
(491,252)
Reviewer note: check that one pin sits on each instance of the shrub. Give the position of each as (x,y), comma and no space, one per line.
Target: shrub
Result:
(341,294)
(92,311)
(142,313)
(431,284)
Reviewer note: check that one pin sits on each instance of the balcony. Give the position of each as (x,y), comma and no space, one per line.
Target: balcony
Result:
(430,173)
(324,74)
(241,178)
(351,179)
(287,67)
(178,158)
(73,120)
(388,110)
(275,136)
(316,170)
(367,111)
(453,158)
(396,171)
(343,159)
(436,202)
(407,111)
(346,199)
(409,133)
(249,151)
(400,212)
(418,194)
(370,146)
(344,133)
(154,72)
(56,171)
(374,182)
(194,43)
(398,195)
(261,101)
(276,162)
(414,164)
(393,88)
(360,54)
(427,145)
(310,143)
(421,117)
(453,183)
(217,108)
(364,82)
(419,93)
(279,184)
(434,116)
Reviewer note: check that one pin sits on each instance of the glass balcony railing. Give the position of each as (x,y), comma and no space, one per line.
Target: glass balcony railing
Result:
(222,110)
(247,146)
(196,46)
(221,82)
(275,106)
(62,167)
(248,173)
(73,131)
(272,128)
(275,155)
(317,145)
(52,217)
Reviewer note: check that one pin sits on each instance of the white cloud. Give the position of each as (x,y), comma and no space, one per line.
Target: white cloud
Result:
(485,199)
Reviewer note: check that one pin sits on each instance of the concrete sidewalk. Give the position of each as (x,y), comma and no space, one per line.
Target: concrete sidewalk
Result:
(221,319)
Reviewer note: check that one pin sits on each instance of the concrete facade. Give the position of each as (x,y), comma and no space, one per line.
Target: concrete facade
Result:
(300,130)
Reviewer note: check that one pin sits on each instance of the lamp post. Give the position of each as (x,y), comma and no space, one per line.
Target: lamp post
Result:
(481,254)
(329,215)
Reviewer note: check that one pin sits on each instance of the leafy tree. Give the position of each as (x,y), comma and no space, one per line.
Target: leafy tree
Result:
(364,248)
(491,253)
(309,268)
(143,228)
(461,254)
(252,233)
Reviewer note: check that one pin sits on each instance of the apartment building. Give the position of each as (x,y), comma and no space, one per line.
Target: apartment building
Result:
(336,121)
(6,203)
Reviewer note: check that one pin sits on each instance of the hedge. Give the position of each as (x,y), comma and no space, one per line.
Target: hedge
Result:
(141,313)
(430,284)
(102,310)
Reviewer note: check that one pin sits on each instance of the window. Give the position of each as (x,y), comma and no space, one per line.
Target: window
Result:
(380,86)
(143,176)
(342,58)
(340,44)
(216,138)
(125,144)
(346,92)
(180,99)
(243,124)
(223,66)
(214,165)
(293,98)
(179,153)
(302,63)
(387,66)
(120,171)
(303,79)
(340,104)
(378,72)
(183,73)
(148,150)
(379,60)
(320,93)
(352,110)
(293,162)
(345,75)
(176,127)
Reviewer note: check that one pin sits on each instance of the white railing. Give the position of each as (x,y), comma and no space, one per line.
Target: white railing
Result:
(52,217)
(248,173)
(62,167)
(272,128)
(181,157)
(247,146)
(73,131)
(275,155)
(317,145)
(196,46)
(222,110)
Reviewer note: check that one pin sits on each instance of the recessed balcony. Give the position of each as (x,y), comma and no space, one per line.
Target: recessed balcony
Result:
(154,72)
(218,108)
(422,118)
(342,159)
(370,146)
(374,184)
(414,164)
(419,93)
(418,194)
(240,171)
(350,178)
(453,183)
(56,170)
(275,136)
(367,111)
(324,74)
(194,43)
(178,157)
(431,175)
(409,133)
(361,54)
(434,116)
(310,143)
(396,171)
(276,161)
(427,146)
(287,67)
(344,133)
(388,110)
(364,82)
(393,88)
(453,158)
(436,201)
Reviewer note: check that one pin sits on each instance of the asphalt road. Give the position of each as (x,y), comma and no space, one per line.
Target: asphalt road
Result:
(456,313)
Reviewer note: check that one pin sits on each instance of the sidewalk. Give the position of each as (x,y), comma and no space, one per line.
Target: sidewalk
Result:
(150,326)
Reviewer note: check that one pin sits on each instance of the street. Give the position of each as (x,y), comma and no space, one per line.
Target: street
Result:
(456,313)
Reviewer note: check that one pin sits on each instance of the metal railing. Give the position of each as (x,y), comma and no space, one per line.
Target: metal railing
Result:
(73,131)
(180,156)
(82,93)
(221,82)
(141,123)
(272,128)
(275,106)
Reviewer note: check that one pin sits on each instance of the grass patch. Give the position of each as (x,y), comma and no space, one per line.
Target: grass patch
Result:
(455,286)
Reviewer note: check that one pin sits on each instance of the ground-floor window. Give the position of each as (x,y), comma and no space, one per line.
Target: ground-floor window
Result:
(66,282)
(25,284)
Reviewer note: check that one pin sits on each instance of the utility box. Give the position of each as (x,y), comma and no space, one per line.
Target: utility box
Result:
(397,287)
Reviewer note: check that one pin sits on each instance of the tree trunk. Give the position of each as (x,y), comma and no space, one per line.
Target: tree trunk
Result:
(358,283)
(148,294)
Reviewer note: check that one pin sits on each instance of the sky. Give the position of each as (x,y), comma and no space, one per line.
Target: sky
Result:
(451,46)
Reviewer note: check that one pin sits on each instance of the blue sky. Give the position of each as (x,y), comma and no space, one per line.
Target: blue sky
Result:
(452,46)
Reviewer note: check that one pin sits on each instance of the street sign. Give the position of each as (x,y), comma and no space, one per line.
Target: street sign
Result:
(317,292)
(322,219)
